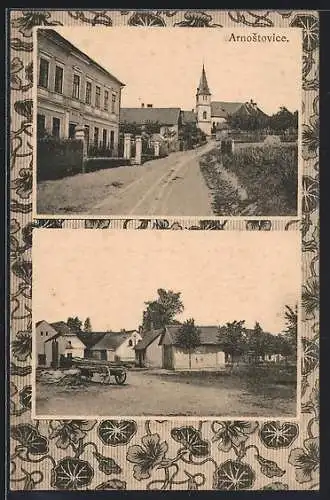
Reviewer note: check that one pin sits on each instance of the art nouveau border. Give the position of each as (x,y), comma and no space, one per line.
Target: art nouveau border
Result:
(116,454)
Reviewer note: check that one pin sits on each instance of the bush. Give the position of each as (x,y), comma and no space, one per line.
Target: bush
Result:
(57,158)
(93,164)
(100,152)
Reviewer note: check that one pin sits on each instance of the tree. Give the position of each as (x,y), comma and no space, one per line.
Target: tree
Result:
(290,333)
(74,324)
(162,311)
(188,337)
(232,338)
(258,345)
(87,325)
(283,120)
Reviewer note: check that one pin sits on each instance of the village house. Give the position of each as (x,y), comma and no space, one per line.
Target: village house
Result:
(73,90)
(148,351)
(55,341)
(208,354)
(166,121)
(112,346)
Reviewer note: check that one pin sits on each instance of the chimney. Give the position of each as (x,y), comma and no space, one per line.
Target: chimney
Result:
(149,105)
(142,105)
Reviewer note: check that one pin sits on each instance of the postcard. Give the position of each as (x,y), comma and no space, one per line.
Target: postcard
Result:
(164,250)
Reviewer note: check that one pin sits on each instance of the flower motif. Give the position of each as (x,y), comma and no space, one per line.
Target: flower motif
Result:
(196,19)
(27,235)
(112,484)
(22,345)
(107,464)
(251,18)
(16,65)
(29,438)
(310,356)
(23,269)
(92,17)
(24,108)
(29,72)
(192,440)
(116,432)
(262,225)
(232,433)
(23,184)
(310,27)
(146,19)
(310,298)
(25,396)
(49,223)
(71,474)
(28,20)
(148,456)
(12,389)
(69,432)
(310,193)
(306,460)
(233,475)
(278,434)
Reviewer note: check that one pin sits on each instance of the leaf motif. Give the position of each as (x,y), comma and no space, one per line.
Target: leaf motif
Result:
(269,468)
(278,434)
(192,440)
(112,484)
(107,464)
(20,371)
(19,45)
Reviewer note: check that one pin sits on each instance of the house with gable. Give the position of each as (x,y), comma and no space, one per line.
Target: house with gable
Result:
(148,351)
(55,341)
(167,121)
(111,346)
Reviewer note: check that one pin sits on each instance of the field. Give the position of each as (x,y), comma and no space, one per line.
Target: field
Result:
(256,179)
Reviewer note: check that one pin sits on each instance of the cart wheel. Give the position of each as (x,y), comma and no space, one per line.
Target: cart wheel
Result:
(120,378)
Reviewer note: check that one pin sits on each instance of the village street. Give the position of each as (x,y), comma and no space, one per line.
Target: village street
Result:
(162,392)
(172,185)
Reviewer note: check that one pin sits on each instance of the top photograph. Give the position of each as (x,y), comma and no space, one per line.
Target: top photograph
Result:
(165,122)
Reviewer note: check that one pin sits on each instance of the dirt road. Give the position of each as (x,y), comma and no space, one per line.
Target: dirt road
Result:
(169,186)
(151,393)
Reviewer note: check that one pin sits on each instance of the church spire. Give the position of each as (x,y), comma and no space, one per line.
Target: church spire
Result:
(203,87)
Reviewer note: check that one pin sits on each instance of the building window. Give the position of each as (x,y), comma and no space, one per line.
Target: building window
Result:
(113,103)
(76,86)
(97,96)
(88,97)
(72,128)
(130,342)
(112,139)
(58,87)
(43,72)
(41,334)
(56,127)
(204,115)
(104,138)
(106,100)
(96,136)
(41,128)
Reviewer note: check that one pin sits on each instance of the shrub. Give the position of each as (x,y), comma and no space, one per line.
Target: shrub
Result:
(58,158)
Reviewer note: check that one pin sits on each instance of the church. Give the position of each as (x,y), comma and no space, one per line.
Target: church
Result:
(213,114)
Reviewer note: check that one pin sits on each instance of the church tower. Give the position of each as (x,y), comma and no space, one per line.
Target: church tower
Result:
(203,104)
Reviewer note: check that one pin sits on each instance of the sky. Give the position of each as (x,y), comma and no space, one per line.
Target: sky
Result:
(162,66)
(107,275)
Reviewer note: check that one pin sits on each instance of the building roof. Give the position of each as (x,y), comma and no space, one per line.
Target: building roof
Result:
(39,322)
(62,328)
(142,116)
(189,117)
(90,338)
(111,340)
(203,87)
(220,109)
(52,34)
(208,334)
(147,339)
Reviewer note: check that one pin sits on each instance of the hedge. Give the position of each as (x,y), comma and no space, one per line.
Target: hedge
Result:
(57,158)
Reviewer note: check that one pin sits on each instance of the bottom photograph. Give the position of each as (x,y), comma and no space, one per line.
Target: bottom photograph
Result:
(165,323)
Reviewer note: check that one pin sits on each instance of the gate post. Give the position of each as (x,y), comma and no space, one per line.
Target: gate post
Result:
(80,135)
(127,146)
(138,150)
(156,148)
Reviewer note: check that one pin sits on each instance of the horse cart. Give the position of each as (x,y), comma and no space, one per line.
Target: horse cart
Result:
(106,370)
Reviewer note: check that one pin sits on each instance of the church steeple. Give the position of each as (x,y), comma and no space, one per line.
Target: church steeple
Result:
(203,87)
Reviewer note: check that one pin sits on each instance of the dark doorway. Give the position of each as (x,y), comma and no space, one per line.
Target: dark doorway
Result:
(72,128)
(54,354)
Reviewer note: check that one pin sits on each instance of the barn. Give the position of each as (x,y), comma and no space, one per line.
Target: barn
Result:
(208,354)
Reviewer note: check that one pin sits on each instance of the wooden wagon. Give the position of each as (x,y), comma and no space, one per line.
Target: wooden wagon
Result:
(106,369)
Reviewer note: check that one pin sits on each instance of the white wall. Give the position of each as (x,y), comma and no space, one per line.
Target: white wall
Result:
(126,352)
(202,357)
(43,332)
(153,356)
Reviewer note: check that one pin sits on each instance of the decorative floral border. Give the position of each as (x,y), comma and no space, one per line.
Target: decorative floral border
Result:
(161,454)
